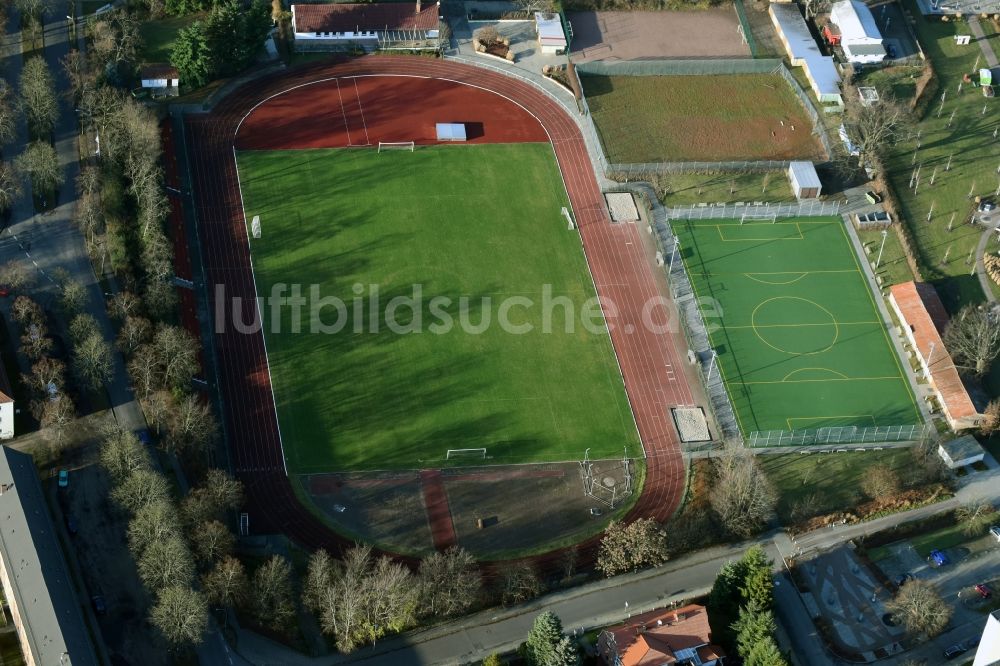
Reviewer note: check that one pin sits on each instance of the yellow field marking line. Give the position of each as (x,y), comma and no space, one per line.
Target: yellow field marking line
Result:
(885,334)
(772,282)
(826,379)
(842,375)
(752,240)
(840,270)
(838,323)
(827,418)
(833,320)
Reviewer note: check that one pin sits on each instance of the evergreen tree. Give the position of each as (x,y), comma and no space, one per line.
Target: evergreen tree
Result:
(753,627)
(543,639)
(758,584)
(765,653)
(192,55)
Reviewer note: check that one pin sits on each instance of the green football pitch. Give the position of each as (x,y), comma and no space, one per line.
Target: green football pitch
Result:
(800,342)
(471,227)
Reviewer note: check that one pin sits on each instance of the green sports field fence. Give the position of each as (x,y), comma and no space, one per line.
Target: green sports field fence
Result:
(741,14)
(843,435)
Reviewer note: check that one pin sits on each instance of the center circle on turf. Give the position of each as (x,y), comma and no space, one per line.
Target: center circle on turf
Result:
(818,325)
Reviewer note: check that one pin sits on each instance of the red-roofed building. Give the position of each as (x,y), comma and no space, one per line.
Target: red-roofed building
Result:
(680,636)
(338,25)
(923,317)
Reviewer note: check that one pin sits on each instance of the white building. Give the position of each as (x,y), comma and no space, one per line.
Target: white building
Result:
(331,26)
(804,180)
(988,653)
(803,51)
(160,79)
(961,451)
(6,406)
(549,28)
(859,35)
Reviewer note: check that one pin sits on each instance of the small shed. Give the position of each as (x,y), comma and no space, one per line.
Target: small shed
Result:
(804,180)
(160,79)
(961,451)
(450,131)
(551,38)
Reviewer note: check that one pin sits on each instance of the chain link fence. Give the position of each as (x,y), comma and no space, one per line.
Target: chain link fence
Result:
(838,435)
(741,14)
(625,173)
(688,307)
(726,211)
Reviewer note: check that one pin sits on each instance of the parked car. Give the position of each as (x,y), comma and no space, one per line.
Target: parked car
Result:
(64,478)
(955,650)
(995,532)
(100,606)
(939,558)
(984,590)
(987,205)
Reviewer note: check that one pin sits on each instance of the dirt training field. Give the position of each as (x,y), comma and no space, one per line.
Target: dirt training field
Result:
(645,35)
(693,118)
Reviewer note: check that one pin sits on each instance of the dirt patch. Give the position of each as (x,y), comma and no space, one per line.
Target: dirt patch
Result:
(108,569)
(526,507)
(386,509)
(645,35)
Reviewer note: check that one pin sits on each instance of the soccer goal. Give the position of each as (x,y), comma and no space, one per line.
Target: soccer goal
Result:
(466,454)
(758,217)
(396,145)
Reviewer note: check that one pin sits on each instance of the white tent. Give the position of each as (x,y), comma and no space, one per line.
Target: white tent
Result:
(451,132)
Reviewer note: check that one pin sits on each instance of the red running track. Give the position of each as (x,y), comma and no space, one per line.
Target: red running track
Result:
(438,509)
(622,273)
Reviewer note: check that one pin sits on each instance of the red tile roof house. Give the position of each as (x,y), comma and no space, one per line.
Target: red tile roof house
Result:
(682,637)
(330,27)
(923,319)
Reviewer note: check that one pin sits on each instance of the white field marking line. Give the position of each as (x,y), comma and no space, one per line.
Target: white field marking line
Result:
(533,86)
(253,274)
(361,109)
(343,113)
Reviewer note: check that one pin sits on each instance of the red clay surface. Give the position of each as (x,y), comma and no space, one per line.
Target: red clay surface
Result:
(363,110)
(438,512)
(615,253)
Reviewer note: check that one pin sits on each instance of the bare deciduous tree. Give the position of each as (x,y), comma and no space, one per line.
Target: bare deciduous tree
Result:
(177,355)
(123,305)
(449,582)
(973,338)
(8,115)
(641,543)
(38,96)
(976,517)
(26,311)
(991,420)
(114,37)
(742,496)
(122,454)
(519,582)
(154,522)
(11,187)
(40,164)
(873,127)
(58,414)
(134,332)
(92,360)
(271,592)
(880,482)
(139,489)
(166,562)
(226,584)
(192,426)
(181,615)
(920,608)
(212,541)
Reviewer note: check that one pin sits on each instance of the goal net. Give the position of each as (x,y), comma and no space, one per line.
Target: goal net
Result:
(470,454)
(758,217)
(395,145)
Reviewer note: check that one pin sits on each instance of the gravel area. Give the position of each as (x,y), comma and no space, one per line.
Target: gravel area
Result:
(691,424)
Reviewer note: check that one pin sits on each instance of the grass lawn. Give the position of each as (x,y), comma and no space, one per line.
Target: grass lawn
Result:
(690,188)
(716,118)
(831,480)
(158,36)
(470,226)
(968,140)
(893,268)
(800,342)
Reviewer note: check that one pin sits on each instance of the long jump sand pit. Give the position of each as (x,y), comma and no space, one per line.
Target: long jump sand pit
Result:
(643,35)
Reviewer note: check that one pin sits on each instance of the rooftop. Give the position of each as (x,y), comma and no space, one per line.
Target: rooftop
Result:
(666,637)
(923,312)
(159,72)
(962,448)
(855,20)
(356,17)
(42,591)
(802,46)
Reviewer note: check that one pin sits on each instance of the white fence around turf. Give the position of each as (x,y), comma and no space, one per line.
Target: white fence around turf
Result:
(809,208)
(840,435)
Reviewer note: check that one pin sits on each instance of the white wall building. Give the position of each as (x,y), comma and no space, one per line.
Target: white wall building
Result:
(803,51)
(988,653)
(804,180)
(160,79)
(549,28)
(340,24)
(859,35)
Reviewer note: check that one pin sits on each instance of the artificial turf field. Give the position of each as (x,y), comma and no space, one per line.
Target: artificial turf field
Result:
(800,342)
(476,221)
